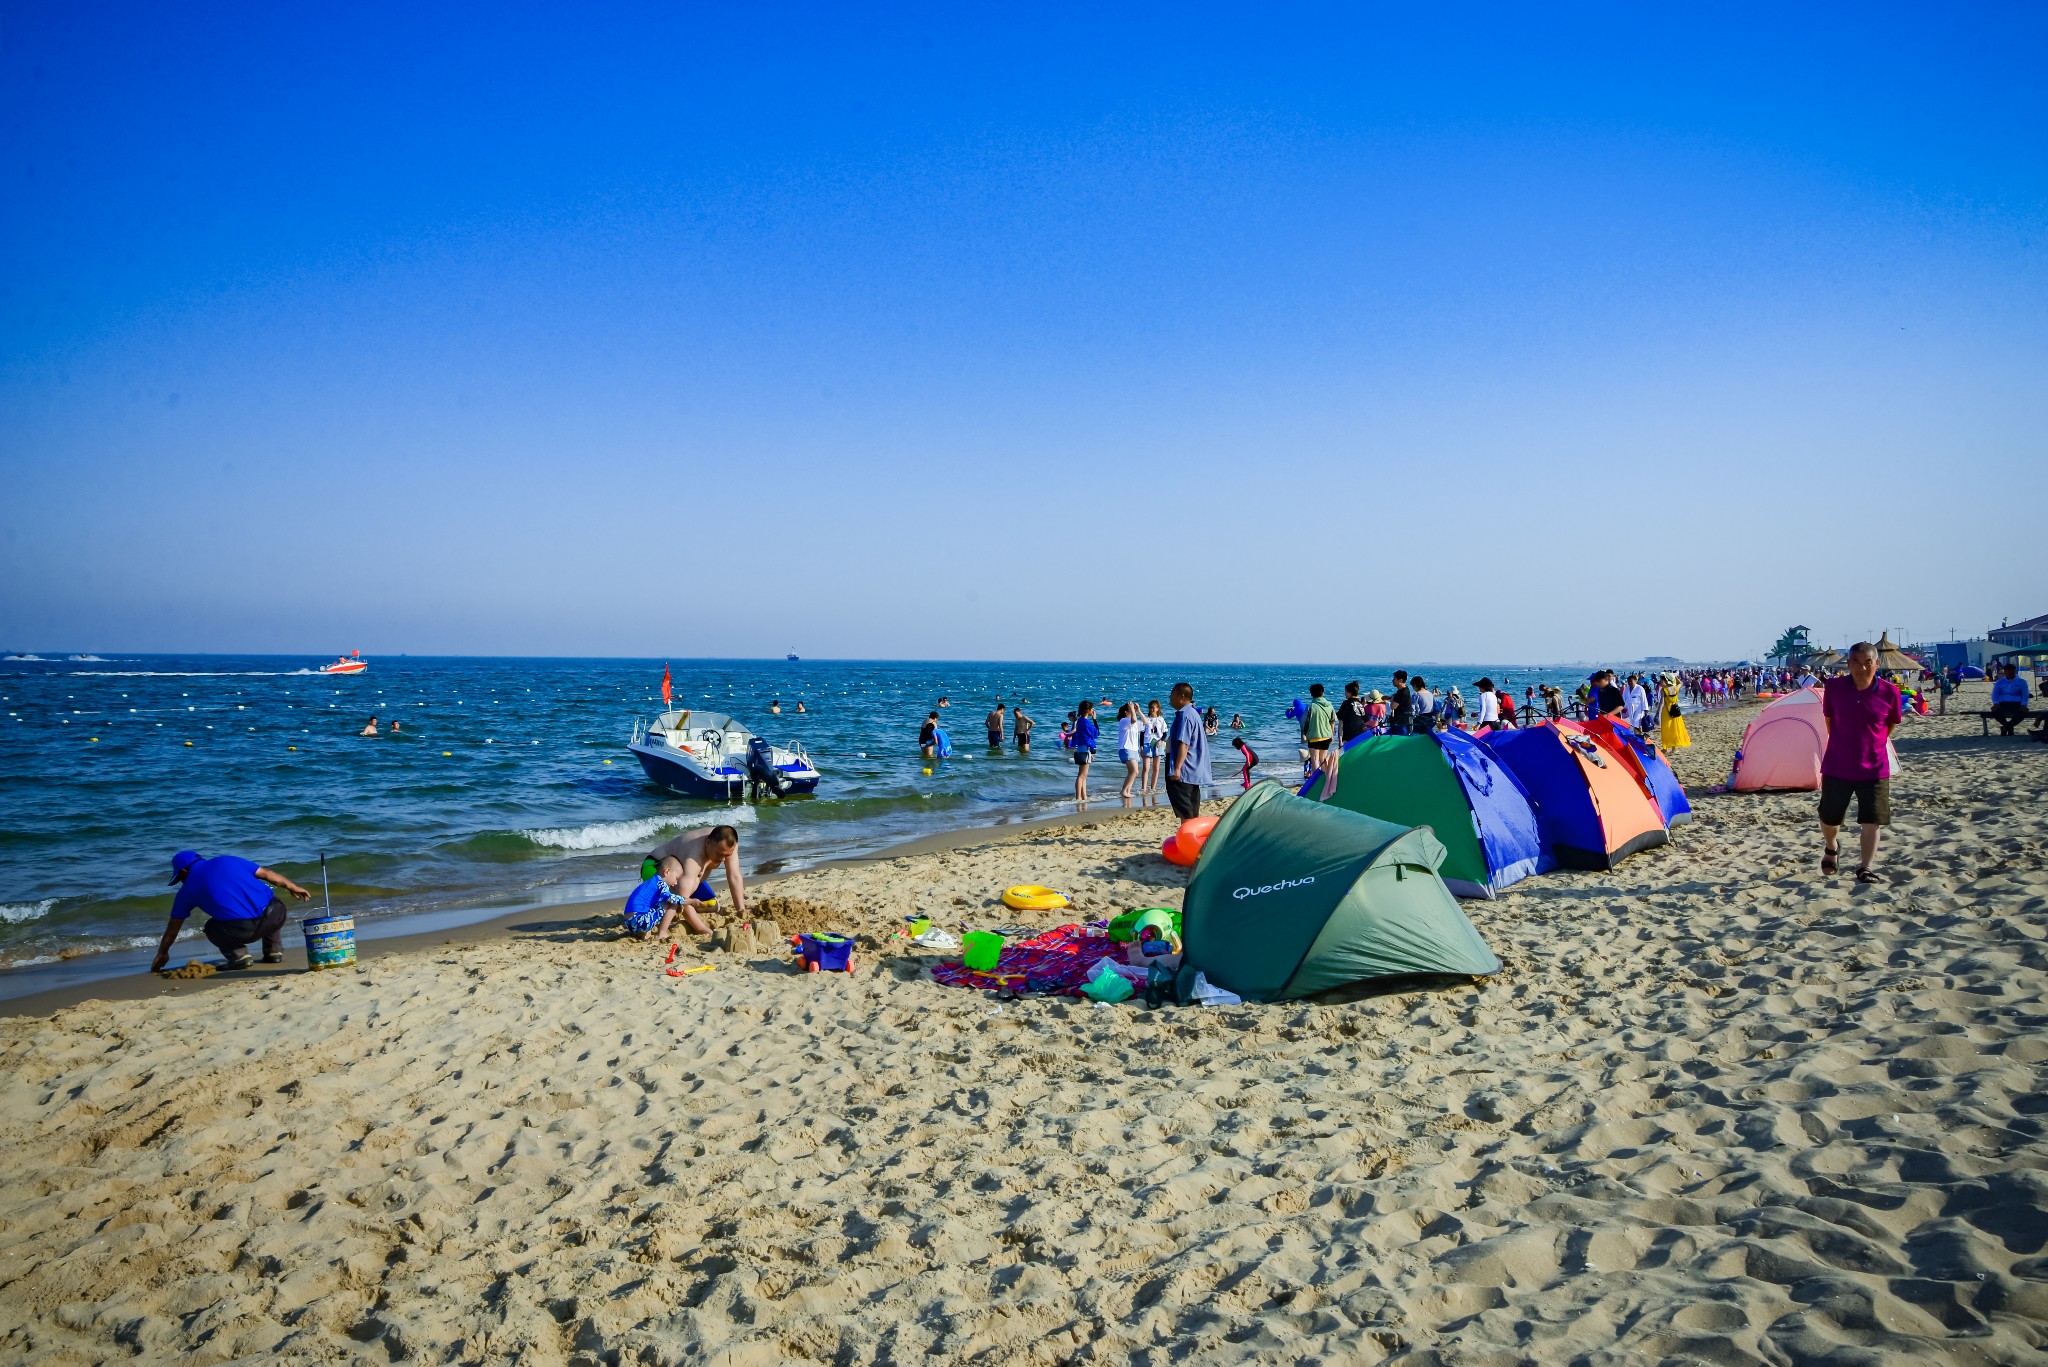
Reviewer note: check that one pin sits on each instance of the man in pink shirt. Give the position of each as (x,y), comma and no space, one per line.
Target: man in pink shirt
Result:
(1861,710)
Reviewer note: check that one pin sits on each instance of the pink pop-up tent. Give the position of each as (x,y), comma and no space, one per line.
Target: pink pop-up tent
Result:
(1782,747)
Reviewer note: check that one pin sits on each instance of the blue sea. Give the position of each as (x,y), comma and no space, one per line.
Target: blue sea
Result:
(510,785)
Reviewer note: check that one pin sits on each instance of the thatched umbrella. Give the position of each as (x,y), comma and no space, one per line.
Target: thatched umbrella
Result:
(1821,661)
(1890,657)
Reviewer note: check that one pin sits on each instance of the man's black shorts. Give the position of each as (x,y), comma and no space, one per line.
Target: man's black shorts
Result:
(1185,797)
(1873,800)
(232,936)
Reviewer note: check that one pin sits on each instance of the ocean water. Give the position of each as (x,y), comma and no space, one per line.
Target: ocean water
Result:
(509,785)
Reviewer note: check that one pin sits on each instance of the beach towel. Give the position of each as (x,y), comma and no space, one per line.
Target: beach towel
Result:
(1058,961)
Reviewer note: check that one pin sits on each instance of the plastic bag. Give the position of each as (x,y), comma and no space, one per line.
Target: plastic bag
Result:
(1134,976)
(1206,993)
(1106,985)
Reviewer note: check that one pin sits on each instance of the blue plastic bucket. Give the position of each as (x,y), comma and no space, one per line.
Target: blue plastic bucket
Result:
(331,943)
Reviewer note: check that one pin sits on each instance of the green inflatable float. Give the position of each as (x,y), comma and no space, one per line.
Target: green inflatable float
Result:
(1293,897)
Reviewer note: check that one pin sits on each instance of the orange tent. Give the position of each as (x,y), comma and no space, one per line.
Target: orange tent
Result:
(1594,807)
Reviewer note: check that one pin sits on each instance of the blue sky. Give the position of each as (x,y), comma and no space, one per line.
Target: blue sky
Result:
(973,332)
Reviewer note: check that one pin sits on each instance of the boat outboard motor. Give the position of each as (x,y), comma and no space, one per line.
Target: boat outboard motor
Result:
(761,770)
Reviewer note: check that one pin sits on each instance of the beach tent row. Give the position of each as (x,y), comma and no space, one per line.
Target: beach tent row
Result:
(1295,894)
(1508,804)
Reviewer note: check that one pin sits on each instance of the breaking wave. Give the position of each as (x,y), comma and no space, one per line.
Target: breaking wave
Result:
(627,835)
(16,912)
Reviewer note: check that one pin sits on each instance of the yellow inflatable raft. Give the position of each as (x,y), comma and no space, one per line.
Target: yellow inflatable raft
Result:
(1030,897)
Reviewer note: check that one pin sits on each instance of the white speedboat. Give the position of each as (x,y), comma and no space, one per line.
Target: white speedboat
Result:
(708,754)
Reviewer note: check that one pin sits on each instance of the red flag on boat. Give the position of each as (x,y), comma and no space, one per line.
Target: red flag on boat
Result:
(664,686)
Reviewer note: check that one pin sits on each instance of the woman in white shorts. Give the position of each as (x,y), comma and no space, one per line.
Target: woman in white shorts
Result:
(1156,728)
(1130,745)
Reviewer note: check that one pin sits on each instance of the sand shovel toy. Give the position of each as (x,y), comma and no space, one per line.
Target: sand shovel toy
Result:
(668,965)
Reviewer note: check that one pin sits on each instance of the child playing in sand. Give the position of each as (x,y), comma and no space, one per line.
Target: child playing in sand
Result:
(1251,759)
(651,907)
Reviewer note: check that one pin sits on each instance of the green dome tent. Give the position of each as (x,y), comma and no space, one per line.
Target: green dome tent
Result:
(1293,897)
(1453,785)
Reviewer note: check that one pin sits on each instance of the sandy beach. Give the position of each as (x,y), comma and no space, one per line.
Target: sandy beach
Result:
(1716,1108)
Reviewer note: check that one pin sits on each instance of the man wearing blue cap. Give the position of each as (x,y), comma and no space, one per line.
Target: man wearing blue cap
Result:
(239,905)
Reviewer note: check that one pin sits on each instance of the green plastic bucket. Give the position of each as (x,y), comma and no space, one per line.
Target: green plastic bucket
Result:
(331,943)
(1124,926)
(982,949)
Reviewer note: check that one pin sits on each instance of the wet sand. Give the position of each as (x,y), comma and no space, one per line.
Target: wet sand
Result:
(1716,1107)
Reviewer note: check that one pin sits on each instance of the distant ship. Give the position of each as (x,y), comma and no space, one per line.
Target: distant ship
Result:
(790,656)
(351,663)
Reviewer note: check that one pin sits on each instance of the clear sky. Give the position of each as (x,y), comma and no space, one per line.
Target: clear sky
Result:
(974,331)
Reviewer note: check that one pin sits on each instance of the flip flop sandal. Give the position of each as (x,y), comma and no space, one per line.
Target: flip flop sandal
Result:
(1827,861)
(1864,875)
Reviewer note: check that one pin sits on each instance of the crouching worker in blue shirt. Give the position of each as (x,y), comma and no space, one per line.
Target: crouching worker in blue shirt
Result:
(239,905)
(654,905)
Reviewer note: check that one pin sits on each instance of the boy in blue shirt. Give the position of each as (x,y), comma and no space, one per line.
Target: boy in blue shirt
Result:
(654,905)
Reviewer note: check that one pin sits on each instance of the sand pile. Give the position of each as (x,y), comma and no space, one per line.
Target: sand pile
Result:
(796,915)
(1716,1108)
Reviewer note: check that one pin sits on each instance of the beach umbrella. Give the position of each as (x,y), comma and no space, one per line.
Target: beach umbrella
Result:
(1891,657)
(1823,660)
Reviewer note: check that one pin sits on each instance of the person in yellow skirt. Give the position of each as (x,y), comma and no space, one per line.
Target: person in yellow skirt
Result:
(1671,733)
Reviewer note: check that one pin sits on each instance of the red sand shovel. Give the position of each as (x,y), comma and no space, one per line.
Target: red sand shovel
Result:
(673,972)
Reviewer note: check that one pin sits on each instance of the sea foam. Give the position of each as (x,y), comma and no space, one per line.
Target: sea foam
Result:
(627,835)
(14,912)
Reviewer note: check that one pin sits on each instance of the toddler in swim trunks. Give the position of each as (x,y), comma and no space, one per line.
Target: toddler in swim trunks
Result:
(654,905)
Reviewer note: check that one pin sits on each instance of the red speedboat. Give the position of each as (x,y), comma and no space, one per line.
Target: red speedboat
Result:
(351,663)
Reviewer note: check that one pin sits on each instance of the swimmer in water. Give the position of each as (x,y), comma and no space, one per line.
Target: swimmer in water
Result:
(369,730)
(799,706)
(775,706)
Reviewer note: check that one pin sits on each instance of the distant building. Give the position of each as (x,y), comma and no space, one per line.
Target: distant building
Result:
(1976,652)
(2032,632)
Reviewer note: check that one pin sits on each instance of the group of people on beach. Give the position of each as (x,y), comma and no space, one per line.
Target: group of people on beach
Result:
(1154,749)
(1144,737)
(245,907)
(1412,707)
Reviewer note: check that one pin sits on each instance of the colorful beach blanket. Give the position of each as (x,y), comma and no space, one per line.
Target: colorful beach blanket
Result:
(1058,961)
